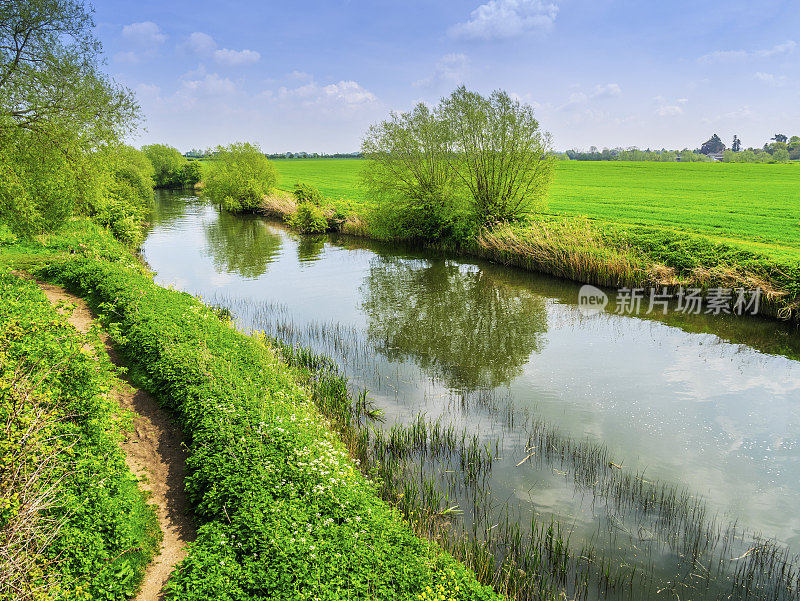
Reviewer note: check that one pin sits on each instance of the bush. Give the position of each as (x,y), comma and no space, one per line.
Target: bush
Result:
(168,165)
(309,219)
(307,193)
(192,173)
(239,177)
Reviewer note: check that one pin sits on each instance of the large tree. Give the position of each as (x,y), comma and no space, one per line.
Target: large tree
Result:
(57,110)
(501,157)
(713,145)
(50,72)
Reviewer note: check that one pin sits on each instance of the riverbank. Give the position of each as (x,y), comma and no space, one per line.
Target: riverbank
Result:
(284,511)
(581,250)
(73,522)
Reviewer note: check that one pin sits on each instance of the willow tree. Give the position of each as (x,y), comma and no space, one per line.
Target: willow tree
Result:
(500,154)
(409,174)
(57,109)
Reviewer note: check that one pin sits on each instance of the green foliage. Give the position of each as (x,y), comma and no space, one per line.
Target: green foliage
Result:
(309,219)
(284,511)
(72,519)
(502,158)
(168,165)
(239,177)
(192,173)
(471,158)
(307,193)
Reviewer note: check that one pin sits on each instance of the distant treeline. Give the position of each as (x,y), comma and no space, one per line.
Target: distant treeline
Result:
(780,149)
(209,154)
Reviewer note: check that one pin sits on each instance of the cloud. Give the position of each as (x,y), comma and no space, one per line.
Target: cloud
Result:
(200,43)
(503,19)
(450,69)
(198,83)
(667,109)
(235,58)
(609,90)
(299,75)
(346,94)
(204,45)
(775,81)
(731,56)
(145,34)
(600,91)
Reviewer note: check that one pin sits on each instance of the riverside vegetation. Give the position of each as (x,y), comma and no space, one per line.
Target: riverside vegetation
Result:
(426,180)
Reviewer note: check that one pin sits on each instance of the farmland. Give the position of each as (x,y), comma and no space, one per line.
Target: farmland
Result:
(752,206)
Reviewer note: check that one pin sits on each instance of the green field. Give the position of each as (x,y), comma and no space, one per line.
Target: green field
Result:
(756,206)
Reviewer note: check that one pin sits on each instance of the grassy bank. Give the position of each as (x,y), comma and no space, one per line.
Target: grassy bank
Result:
(73,523)
(701,225)
(284,510)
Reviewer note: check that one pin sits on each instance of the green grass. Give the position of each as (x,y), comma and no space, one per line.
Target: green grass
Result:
(756,207)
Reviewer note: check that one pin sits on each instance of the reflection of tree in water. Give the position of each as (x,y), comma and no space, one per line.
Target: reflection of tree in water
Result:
(242,244)
(169,206)
(466,326)
(310,248)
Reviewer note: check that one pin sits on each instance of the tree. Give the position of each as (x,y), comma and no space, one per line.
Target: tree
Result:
(712,145)
(408,174)
(239,177)
(168,164)
(501,156)
(192,173)
(779,138)
(58,114)
(50,73)
(793,147)
(781,155)
(737,144)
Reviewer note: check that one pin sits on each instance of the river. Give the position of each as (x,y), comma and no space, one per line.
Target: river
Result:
(706,405)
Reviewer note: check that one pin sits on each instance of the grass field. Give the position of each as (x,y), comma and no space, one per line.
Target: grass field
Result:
(754,206)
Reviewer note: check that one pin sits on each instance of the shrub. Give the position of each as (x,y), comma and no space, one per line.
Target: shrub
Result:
(307,193)
(192,173)
(168,164)
(308,219)
(239,177)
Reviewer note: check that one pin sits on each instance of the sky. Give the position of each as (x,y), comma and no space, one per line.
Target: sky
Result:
(313,75)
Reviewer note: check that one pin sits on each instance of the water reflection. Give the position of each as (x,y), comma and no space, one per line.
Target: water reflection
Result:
(310,248)
(242,244)
(470,328)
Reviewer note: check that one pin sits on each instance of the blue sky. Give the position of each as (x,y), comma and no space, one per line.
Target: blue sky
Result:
(312,75)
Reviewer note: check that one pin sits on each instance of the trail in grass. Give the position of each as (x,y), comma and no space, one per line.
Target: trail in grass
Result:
(153,451)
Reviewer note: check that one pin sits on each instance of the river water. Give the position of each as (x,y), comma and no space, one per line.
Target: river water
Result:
(709,405)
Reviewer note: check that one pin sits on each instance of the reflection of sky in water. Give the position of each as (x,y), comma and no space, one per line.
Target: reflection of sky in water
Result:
(721,418)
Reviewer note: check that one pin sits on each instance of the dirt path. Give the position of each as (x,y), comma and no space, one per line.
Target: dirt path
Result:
(153,452)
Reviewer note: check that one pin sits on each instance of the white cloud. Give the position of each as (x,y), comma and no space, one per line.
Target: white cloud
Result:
(668,109)
(609,90)
(730,56)
(299,75)
(234,58)
(342,95)
(450,69)
(201,43)
(126,57)
(208,84)
(502,19)
(145,34)
(600,91)
(770,79)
